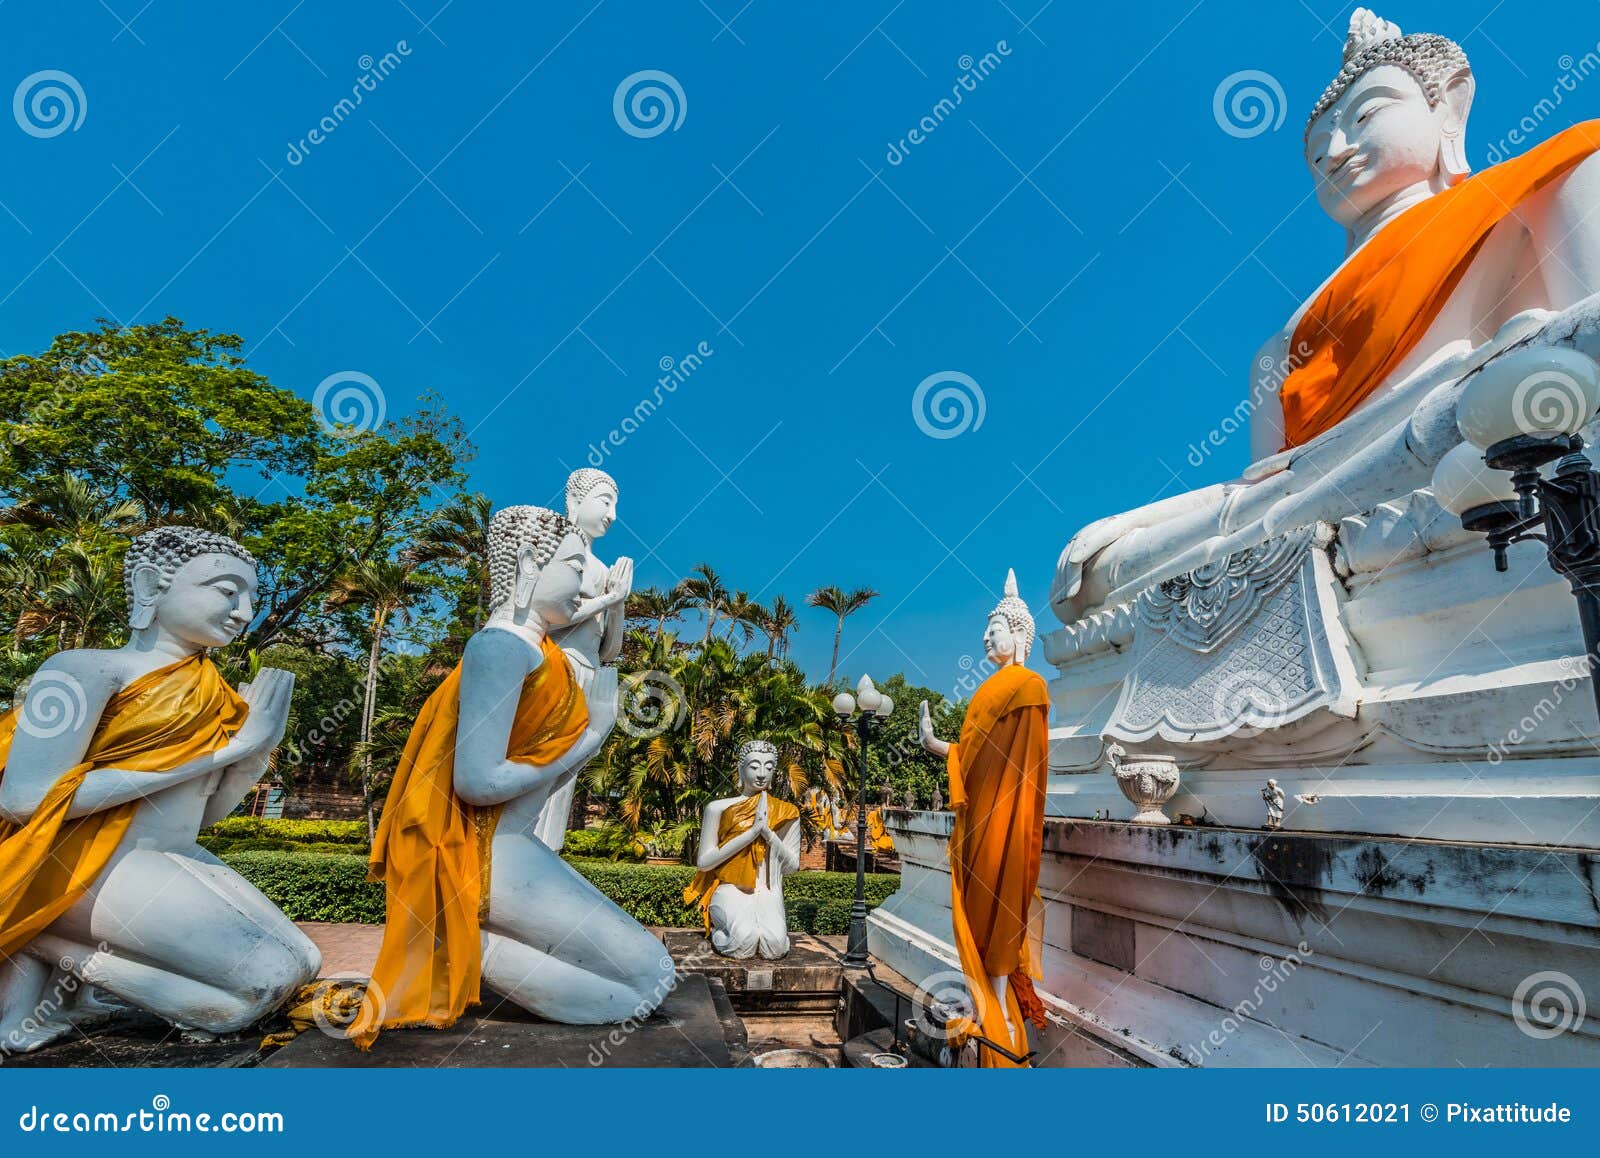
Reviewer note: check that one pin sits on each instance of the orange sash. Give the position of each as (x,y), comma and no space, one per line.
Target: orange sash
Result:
(997,785)
(432,852)
(1374,311)
(160,721)
(741,868)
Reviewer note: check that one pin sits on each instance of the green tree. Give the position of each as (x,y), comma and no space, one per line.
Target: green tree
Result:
(843,604)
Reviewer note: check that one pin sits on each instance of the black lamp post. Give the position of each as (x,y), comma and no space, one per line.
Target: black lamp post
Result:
(1520,413)
(870,708)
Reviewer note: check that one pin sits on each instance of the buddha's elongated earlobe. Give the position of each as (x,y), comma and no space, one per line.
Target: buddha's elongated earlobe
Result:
(1456,101)
(527,577)
(146,587)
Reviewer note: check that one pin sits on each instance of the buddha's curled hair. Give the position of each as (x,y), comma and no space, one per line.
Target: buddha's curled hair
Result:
(510,531)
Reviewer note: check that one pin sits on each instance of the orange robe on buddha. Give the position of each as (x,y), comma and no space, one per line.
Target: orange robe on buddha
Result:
(157,723)
(998,770)
(1374,311)
(432,852)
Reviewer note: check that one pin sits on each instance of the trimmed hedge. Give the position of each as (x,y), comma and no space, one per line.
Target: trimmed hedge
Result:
(599,843)
(323,887)
(236,834)
(310,886)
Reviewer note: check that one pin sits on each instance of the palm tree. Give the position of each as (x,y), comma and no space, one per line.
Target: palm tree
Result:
(705,590)
(458,536)
(387,589)
(81,605)
(659,607)
(745,615)
(75,509)
(842,604)
(778,622)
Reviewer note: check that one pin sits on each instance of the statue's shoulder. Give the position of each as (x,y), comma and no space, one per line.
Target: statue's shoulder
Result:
(94,668)
(499,649)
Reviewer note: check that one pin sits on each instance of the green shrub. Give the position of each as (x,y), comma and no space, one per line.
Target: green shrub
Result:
(313,886)
(603,843)
(329,886)
(303,831)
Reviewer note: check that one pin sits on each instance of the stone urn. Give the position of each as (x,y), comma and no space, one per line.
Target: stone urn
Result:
(1149,781)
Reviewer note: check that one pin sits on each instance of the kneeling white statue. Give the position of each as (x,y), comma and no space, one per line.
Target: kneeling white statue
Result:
(748,844)
(109,767)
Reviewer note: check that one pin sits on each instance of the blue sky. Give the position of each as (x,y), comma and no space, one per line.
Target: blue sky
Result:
(1080,237)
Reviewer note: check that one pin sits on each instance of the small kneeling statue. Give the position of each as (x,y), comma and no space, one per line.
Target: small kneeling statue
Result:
(748,844)
(109,767)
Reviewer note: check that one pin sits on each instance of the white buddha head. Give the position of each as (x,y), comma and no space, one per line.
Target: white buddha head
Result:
(592,501)
(1009,636)
(758,766)
(1394,116)
(535,565)
(197,586)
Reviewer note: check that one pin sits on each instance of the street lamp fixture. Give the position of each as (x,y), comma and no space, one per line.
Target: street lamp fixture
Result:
(869,708)
(1519,414)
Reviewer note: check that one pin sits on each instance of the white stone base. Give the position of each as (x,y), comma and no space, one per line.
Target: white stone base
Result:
(1191,946)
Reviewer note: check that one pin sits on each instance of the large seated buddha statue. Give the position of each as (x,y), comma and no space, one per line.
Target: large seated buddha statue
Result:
(1353,400)
(475,899)
(109,767)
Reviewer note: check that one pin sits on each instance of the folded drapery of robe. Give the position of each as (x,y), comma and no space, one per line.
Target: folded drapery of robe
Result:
(432,852)
(998,771)
(157,723)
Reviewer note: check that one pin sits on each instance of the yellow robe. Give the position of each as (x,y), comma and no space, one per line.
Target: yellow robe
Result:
(1375,310)
(741,868)
(432,852)
(998,771)
(160,721)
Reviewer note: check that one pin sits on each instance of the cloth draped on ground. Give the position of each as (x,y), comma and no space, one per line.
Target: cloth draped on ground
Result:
(432,851)
(998,771)
(1374,311)
(159,722)
(740,869)
(878,838)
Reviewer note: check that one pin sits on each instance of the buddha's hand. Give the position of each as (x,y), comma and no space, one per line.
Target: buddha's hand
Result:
(925,725)
(602,702)
(760,822)
(268,695)
(620,576)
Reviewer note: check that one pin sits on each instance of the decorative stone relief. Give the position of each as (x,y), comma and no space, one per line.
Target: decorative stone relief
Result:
(1250,641)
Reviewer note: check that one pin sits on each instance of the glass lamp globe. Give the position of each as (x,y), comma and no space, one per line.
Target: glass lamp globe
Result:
(844,704)
(1542,391)
(1462,481)
(885,706)
(867,695)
